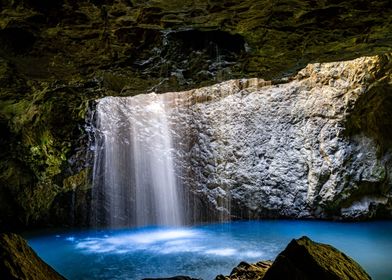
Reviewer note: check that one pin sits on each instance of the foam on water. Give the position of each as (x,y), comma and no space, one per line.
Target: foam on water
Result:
(171,241)
(159,240)
(222,252)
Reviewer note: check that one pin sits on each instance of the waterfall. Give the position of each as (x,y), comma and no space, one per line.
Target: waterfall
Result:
(134,177)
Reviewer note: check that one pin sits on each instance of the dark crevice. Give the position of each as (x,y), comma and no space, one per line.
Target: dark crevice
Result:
(372,116)
(199,40)
(16,40)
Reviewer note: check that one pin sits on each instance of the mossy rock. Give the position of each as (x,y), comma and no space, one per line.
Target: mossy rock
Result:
(245,271)
(305,259)
(19,261)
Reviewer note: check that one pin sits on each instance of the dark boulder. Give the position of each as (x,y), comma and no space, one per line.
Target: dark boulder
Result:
(304,259)
(19,261)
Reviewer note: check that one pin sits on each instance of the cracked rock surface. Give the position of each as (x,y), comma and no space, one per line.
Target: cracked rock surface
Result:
(253,149)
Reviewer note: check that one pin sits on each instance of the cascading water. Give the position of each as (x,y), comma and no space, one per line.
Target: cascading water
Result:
(134,178)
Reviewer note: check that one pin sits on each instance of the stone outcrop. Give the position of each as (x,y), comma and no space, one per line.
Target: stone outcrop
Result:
(57,56)
(245,271)
(19,261)
(296,149)
(302,259)
(305,259)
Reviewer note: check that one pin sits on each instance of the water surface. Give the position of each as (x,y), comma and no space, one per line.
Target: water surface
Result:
(204,251)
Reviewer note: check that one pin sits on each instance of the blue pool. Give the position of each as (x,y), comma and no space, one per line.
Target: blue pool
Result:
(206,250)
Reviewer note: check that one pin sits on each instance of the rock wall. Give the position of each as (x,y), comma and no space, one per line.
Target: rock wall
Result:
(254,150)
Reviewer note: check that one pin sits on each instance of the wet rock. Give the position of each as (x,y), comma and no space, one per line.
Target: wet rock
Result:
(19,261)
(305,259)
(305,148)
(245,271)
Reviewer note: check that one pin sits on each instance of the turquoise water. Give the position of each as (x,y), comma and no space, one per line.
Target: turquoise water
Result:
(204,251)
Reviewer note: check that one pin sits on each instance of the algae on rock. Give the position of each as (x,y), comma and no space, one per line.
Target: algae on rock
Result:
(19,261)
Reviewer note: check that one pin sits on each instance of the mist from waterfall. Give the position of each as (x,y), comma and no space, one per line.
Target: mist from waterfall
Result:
(134,176)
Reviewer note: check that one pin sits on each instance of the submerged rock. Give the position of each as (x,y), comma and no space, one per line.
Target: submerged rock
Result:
(19,261)
(303,259)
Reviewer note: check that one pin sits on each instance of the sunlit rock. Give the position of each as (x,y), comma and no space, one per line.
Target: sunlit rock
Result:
(252,149)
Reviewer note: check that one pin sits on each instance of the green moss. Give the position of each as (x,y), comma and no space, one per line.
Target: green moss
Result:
(305,259)
(41,131)
(36,201)
(78,181)
(379,172)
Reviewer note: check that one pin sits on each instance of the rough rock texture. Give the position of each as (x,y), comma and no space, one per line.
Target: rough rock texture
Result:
(304,259)
(245,271)
(139,44)
(295,149)
(57,55)
(18,261)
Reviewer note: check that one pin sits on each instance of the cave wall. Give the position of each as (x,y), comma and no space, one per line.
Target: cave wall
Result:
(253,149)
(57,56)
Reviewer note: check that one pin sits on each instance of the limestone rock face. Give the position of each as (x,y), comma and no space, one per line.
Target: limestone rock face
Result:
(19,261)
(255,149)
(304,259)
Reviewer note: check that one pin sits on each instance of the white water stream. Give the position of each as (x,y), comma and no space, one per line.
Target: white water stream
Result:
(134,179)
